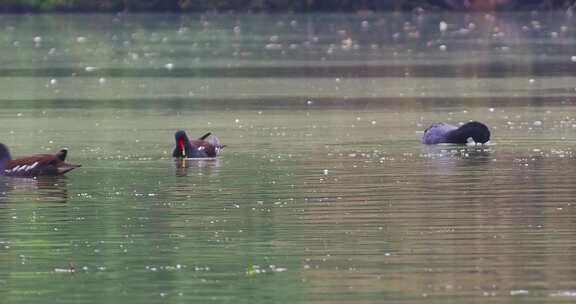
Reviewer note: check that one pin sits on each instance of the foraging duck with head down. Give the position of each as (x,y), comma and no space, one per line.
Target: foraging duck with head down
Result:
(206,146)
(443,133)
(34,165)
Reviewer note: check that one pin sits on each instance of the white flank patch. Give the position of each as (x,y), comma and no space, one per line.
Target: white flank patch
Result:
(33,165)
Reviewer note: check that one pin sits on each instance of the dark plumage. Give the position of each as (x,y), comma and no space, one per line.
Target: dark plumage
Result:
(443,133)
(35,165)
(206,146)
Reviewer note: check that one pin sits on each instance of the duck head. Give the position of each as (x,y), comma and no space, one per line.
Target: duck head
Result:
(183,147)
(478,131)
(4,157)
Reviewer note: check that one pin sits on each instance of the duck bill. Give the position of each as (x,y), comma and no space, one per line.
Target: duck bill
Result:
(67,167)
(182,147)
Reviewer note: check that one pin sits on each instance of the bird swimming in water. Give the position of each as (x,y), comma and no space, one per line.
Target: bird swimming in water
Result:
(206,146)
(443,133)
(34,165)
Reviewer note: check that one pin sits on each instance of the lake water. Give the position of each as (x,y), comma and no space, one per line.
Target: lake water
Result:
(324,193)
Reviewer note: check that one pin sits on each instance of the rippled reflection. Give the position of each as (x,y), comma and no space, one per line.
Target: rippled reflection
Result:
(41,189)
(198,166)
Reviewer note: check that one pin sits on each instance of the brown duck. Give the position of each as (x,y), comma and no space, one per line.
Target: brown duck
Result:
(34,165)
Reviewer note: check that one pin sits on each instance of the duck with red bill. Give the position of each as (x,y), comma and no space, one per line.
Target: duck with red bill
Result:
(206,146)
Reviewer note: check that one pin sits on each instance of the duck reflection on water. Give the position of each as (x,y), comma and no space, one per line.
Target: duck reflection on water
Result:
(202,166)
(42,189)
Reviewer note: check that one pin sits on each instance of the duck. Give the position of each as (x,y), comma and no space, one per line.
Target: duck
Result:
(205,146)
(443,133)
(34,165)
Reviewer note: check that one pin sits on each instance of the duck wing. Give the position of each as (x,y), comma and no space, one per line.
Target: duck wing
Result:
(437,133)
(39,164)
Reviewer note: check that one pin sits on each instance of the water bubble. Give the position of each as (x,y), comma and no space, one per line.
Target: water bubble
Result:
(182,30)
(273,46)
(443,26)
(169,66)
(347,43)
(64,270)
(518,292)
(563,294)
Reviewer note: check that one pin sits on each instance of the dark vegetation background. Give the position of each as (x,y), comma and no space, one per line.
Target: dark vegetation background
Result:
(24,6)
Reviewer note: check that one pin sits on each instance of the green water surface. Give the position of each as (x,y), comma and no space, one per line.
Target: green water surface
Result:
(323,193)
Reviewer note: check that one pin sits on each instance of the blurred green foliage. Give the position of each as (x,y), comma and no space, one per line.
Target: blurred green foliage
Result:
(257,5)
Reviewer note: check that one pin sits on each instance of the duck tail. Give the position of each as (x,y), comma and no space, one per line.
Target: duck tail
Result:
(205,136)
(62,154)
